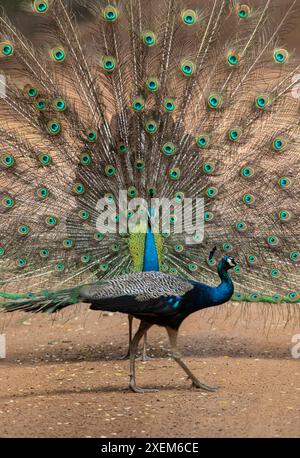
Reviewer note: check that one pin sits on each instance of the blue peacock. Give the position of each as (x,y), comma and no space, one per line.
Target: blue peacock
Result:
(163,99)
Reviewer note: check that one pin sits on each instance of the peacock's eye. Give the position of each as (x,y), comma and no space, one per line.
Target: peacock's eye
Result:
(45,158)
(284,215)
(227,247)
(179,196)
(188,17)
(21,262)
(24,230)
(187,67)
(203,141)
(84,214)
(8,202)
(31,91)
(174,174)
(79,188)
(169,149)
(247,172)
(262,101)
(252,259)
(139,165)
(241,226)
(68,244)
(212,191)
(40,6)
(138,104)
(57,54)
(6,49)
(152,84)
(295,256)
(54,127)
(108,63)
(243,11)
(98,236)
(110,170)
(85,258)
(272,240)
(59,104)
(41,105)
(44,253)
(234,134)
(149,38)
(214,101)
(110,13)
(132,191)
(208,167)
(279,144)
(51,221)
(280,55)
(284,182)
(151,126)
(208,216)
(85,158)
(7,160)
(169,105)
(59,267)
(275,273)
(232,58)
(122,148)
(248,198)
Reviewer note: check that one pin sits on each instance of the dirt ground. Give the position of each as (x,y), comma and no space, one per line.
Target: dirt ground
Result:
(64,378)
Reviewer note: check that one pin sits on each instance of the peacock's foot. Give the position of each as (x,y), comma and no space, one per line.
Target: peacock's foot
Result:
(127,356)
(197,384)
(137,389)
(144,358)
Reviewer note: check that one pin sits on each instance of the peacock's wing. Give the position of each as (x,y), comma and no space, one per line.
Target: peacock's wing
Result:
(138,293)
(156,99)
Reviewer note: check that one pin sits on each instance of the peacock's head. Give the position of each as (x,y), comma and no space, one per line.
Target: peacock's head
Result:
(228,262)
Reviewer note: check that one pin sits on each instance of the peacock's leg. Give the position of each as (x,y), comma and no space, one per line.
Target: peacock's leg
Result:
(130,319)
(133,348)
(173,333)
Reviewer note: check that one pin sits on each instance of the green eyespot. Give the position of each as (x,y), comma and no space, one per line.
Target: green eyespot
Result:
(98,236)
(234,134)
(252,259)
(85,158)
(284,182)
(51,221)
(284,215)
(293,296)
(214,101)
(79,188)
(187,67)
(68,244)
(208,167)
(6,49)
(45,158)
(139,165)
(203,141)
(23,230)
(110,170)
(174,174)
(44,253)
(272,240)
(138,104)
(179,196)
(41,104)
(132,191)
(110,13)
(262,101)
(208,216)
(149,38)
(169,105)
(108,63)
(85,258)
(8,202)
(211,191)
(40,6)
(248,199)
(275,273)
(152,84)
(60,267)
(2,251)
(169,149)
(247,172)
(241,226)
(243,11)
(54,127)
(122,148)
(227,247)
(279,144)
(21,262)
(188,17)
(280,55)
(294,256)
(179,248)
(90,135)
(7,160)
(30,91)
(233,58)
(84,214)
(151,126)
(57,54)
(59,104)
(193,266)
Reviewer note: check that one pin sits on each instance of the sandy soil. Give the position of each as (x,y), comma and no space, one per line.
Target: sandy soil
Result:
(63,378)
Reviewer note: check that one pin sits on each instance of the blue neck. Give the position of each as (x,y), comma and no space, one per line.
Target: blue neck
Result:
(150,255)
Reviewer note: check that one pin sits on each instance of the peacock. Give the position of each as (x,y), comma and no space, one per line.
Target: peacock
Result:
(118,104)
